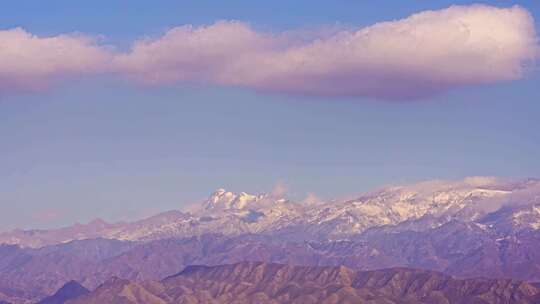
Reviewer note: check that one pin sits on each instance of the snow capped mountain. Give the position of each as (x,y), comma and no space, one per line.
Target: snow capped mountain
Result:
(396,205)
(530,217)
(489,202)
(226,200)
(474,227)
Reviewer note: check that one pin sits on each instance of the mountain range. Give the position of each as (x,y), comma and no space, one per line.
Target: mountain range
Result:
(259,282)
(476,227)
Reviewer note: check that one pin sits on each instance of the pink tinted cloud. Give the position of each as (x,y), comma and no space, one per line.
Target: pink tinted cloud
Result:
(424,54)
(188,54)
(31,62)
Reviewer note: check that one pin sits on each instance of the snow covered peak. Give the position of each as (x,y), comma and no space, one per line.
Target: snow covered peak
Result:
(222,199)
(502,204)
(528,216)
(465,199)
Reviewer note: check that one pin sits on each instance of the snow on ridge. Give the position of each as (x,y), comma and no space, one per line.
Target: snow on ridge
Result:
(222,199)
(236,213)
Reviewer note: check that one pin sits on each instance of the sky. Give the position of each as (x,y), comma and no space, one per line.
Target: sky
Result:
(122,109)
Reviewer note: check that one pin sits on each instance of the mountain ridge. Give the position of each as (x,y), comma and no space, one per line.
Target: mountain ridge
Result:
(69,291)
(231,213)
(260,282)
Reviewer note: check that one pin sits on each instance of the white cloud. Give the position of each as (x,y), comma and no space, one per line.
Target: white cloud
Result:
(31,62)
(427,53)
(424,54)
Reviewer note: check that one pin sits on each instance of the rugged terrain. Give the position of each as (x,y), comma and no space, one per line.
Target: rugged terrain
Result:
(275,283)
(477,227)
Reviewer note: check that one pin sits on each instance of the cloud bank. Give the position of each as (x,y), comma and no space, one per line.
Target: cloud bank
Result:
(425,54)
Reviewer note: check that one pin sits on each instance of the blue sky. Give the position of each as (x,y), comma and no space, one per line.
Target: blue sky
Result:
(103,147)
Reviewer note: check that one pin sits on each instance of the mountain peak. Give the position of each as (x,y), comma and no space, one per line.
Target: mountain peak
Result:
(98,222)
(222,199)
(70,290)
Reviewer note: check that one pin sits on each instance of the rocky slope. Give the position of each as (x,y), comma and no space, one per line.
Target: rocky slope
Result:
(274,283)
(456,248)
(71,290)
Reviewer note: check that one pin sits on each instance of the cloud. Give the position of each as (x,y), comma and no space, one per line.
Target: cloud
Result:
(29,62)
(422,55)
(279,190)
(188,54)
(526,194)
